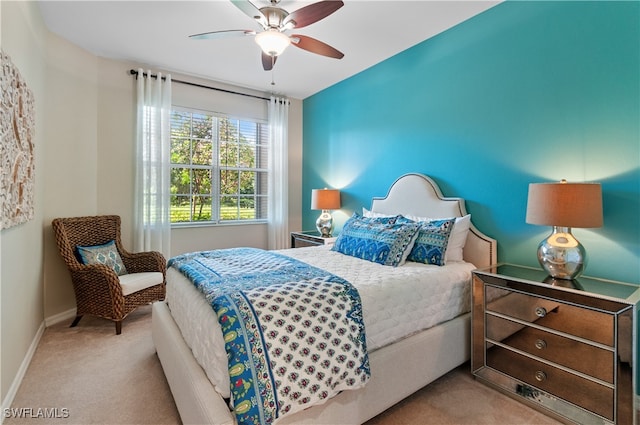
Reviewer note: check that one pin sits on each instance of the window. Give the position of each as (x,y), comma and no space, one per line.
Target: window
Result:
(219,168)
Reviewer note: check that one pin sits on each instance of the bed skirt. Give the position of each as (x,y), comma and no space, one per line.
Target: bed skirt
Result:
(398,370)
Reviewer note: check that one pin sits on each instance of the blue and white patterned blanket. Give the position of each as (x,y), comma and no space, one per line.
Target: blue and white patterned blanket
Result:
(294,333)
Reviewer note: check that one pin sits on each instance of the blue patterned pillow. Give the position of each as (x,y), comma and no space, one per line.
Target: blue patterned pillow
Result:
(431,244)
(106,254)
(380,240)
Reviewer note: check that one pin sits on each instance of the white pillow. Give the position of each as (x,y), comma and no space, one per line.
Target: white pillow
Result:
(371,214)
(458,237)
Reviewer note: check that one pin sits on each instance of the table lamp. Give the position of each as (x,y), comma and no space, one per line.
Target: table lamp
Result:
(564,205)
(325,200)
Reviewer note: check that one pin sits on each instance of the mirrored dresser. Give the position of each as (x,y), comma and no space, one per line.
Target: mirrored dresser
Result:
(565,347)
(310,238)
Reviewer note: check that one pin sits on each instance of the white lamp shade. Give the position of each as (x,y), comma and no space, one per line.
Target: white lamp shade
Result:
(325,199)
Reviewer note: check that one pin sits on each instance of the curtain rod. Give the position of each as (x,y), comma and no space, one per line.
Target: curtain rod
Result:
(134,72)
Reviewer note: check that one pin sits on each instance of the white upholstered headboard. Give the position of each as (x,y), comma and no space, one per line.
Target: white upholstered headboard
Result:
(418,195)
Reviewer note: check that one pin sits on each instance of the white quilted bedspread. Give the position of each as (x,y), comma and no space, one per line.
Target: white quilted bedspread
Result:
(396,302)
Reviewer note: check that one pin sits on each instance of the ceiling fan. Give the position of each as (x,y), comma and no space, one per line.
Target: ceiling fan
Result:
(275,21)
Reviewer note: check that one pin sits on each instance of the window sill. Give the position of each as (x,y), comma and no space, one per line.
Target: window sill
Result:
(190,225)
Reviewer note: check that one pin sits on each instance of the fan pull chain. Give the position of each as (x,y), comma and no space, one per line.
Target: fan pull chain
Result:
(273,61)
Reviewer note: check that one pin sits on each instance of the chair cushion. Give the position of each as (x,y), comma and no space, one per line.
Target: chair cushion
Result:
(134,282)
(106,254)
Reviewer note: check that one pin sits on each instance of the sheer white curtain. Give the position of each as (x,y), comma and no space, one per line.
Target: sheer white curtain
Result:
(278,173)
(151,215)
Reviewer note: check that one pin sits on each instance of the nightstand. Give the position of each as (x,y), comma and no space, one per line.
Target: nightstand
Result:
(563,347)
(310,238)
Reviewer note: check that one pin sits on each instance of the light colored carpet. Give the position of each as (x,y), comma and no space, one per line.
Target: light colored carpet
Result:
(100,377)
(93,376)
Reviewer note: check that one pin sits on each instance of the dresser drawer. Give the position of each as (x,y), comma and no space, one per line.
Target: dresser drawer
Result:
(576,355)
(575,389)
(581,322)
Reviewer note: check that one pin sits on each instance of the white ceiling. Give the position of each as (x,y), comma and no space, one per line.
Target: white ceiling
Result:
(155,34)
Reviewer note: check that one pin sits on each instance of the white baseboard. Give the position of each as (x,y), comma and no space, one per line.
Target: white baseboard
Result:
(60,317)
(13,390)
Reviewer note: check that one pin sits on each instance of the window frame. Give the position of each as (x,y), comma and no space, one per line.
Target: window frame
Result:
(262,141)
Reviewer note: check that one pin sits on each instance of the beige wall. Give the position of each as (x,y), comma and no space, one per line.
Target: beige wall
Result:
(85,165)
(21,265)
(71,156)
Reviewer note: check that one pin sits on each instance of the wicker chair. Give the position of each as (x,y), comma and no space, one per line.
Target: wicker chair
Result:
(98,288)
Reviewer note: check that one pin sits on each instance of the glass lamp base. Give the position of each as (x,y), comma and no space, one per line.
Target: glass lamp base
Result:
(324,224)
(561,255)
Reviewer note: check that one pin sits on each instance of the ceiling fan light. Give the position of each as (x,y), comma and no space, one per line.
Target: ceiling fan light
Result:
(272,42)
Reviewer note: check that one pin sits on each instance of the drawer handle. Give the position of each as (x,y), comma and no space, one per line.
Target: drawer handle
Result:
(541,344)
(541,311)
(540,376)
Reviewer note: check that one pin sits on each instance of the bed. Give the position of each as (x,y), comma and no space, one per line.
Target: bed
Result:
(398,367)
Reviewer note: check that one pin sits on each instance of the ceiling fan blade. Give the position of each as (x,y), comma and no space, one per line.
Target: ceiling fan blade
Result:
(268,61)
(312,13)
(222,34)
(315,46)
(251,11)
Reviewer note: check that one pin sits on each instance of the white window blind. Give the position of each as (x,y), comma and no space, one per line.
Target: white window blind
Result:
(219,168)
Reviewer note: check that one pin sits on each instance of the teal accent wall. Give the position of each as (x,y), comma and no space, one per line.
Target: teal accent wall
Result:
(524,92)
